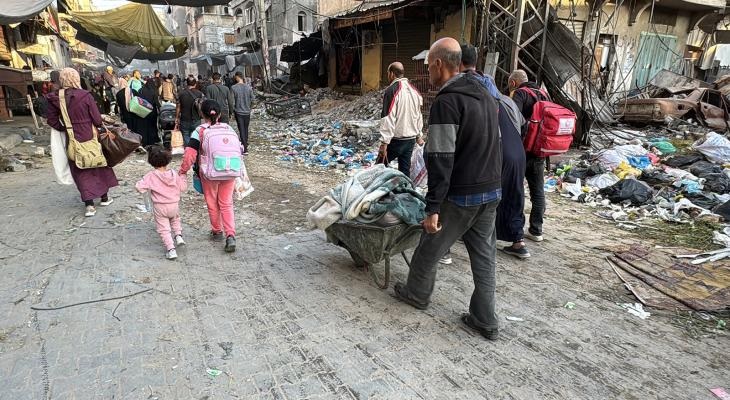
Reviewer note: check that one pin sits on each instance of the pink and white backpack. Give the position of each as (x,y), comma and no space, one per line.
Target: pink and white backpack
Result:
(221,153)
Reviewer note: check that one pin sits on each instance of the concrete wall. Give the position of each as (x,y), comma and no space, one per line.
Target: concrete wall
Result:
(628,37)
(332,7)
(452,27)
(371,67)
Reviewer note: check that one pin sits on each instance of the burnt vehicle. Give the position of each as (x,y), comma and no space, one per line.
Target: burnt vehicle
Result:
(708,106)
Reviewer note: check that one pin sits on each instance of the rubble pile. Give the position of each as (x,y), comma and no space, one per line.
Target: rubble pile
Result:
(341,133)
(673,179)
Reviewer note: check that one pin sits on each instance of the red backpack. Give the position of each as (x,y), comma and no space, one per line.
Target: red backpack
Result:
(550,130)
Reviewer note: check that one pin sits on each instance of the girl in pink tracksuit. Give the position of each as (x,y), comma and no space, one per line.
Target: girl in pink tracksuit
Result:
(218,193)
(165,186)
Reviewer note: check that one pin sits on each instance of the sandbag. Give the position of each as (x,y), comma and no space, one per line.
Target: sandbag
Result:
(715,147)
(635,191)
(118,142)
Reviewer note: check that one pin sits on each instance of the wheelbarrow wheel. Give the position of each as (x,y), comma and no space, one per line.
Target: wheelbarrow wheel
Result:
(386,278)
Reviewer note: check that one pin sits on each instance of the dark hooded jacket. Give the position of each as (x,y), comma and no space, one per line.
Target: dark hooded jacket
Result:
(464,154)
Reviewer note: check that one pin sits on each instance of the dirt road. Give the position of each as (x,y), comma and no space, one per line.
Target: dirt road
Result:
(288,316)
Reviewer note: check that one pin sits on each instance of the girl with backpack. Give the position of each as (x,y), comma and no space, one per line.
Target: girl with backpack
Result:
(216,151)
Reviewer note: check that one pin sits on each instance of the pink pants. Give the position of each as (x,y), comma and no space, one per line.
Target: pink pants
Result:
(219,198)
(167,219)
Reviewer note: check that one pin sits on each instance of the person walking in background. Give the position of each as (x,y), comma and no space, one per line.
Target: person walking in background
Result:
(218,193)
(165,187)
(122,106)
(510,221)
(464,163)
(520,89)
(222,95)
(401,120)
(110,85)
(147,127)
(187,116)
(168,90)
(92,183)
(242,95)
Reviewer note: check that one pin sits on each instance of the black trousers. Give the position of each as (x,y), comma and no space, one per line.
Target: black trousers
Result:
(242,120)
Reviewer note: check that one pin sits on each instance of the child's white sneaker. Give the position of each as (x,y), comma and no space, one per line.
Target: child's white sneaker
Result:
(171,254)
(179,240)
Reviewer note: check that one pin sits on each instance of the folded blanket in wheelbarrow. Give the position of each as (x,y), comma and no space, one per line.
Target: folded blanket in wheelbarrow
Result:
(367,196)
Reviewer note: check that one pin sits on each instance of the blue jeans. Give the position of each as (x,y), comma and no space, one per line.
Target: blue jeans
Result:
(187,128)
(476,226)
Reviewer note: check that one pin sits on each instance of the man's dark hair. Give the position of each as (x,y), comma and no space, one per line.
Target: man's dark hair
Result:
(158,156)
(216,76)
(211,110)
(239,74)
(191,81)
(156,72)
(468,55)
(397,71)
(170,76)
(200,77)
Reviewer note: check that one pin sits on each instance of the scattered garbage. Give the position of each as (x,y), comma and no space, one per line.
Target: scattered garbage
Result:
(325,139)
(715,147)
(213,372)
(634,191)
(569,305)
(514,319)
(636,309)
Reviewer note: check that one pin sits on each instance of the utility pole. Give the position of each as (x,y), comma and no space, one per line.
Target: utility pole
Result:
(260,4)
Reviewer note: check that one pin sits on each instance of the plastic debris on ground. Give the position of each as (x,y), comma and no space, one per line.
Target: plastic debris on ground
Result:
(341,133)
(636,309)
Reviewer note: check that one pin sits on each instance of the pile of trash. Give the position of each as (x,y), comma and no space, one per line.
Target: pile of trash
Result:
(651,177)
(341,133)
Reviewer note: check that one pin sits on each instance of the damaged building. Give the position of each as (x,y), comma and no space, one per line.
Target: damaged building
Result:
(587,53)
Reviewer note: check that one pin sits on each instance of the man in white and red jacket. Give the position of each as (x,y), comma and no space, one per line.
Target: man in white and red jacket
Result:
(401,120)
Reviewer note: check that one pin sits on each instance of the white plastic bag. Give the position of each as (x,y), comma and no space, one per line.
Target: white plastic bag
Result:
(610,159)
(243,186)
(715,147)
(419,176)
(60,159)
(603,180)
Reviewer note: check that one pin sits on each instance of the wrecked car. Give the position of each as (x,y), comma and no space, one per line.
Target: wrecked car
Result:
(708,106)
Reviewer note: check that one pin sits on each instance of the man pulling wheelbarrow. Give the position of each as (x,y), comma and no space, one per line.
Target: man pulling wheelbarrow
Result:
(464,163)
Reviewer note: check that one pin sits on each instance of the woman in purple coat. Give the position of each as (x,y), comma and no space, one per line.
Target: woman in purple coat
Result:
(92,183)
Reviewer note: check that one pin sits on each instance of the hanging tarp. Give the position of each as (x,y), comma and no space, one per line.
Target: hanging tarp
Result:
(131,24)
(186,3)
(14,11)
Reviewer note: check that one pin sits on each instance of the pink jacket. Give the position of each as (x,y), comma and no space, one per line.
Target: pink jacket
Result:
(164,187)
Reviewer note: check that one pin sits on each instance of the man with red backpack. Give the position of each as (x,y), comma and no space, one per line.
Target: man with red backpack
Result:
(549,131)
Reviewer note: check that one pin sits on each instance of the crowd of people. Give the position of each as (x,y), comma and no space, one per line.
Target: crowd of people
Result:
(474,157)
(476,166)
(74,114)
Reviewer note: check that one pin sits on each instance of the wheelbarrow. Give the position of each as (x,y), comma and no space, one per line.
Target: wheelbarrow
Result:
(370,244)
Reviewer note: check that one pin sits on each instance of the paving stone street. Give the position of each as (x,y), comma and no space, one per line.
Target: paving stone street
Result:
(288,316)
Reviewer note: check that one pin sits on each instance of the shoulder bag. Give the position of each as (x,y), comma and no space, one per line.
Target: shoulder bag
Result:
(86,154)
